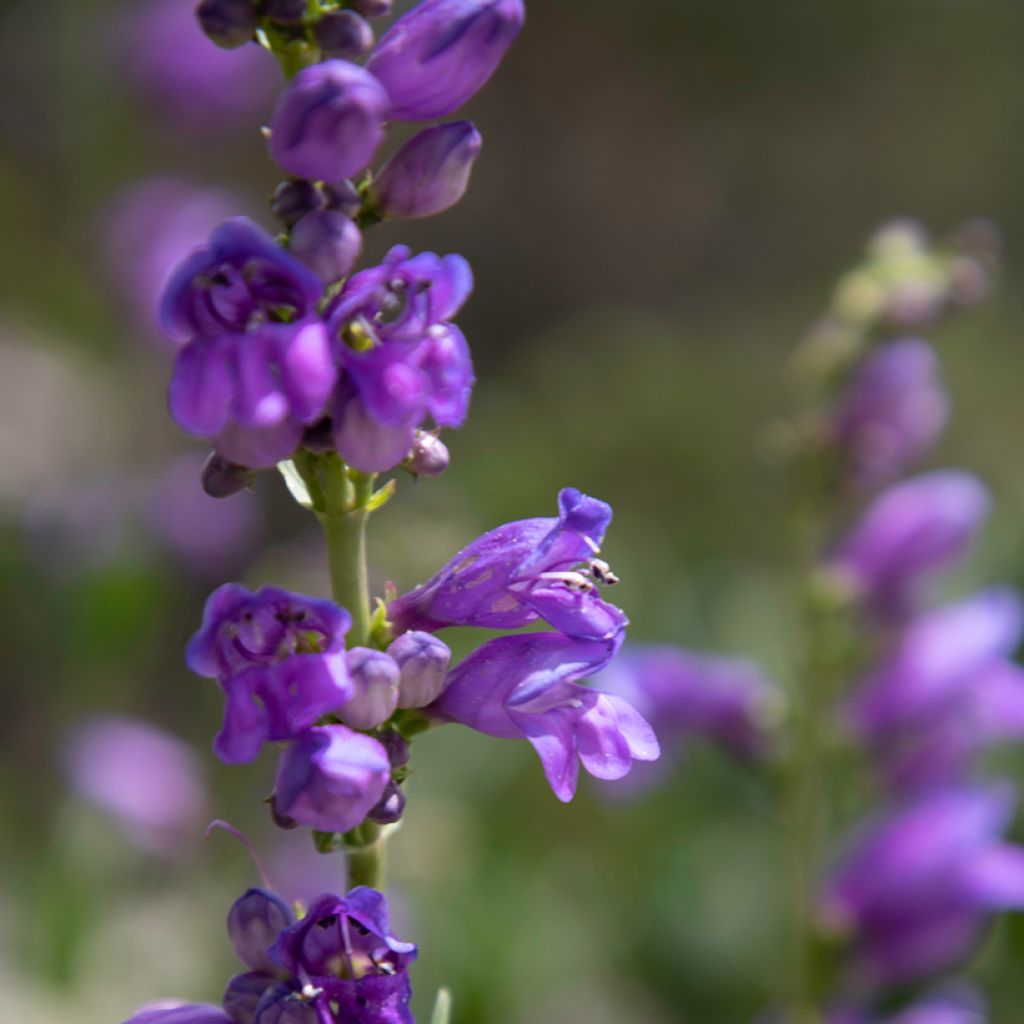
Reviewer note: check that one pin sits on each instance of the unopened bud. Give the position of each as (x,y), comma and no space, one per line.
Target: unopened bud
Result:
(372,8)
(397,747)
(429,455)
(293,199)
(375,676)
(430,173)
(342,196)
(328,242)
(228,23)
(254,922)
(287,12)
(343,34)
(423,660)
(391,806)
(221,478)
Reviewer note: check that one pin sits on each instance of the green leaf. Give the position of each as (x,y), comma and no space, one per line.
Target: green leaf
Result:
(442,1007)
(380,498)
(295,484)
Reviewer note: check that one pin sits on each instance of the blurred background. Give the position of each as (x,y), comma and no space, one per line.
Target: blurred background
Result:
(667,191)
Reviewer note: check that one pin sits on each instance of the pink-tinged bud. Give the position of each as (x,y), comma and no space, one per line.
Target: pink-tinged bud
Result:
(343,34)
(328,123)
(441,53)
(423,661)
(375,676)
(228,23)
(330,778)
(430,173)
(328,243)
(429,455)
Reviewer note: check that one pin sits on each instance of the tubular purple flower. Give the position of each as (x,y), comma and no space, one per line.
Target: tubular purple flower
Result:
(329,121)
(423,660)
(180,1013)
(685,693)
(524,686)
(254,922)
(430,173)
(280,659)
(441,53)
(241,279)
(522,571)
(936,658)
(330,778)
(328,242)
(908,533)
(892,411)
(917,889)
(375,677)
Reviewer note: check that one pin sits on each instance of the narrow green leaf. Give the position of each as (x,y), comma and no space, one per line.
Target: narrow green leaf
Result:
(442,1007)
(381,497)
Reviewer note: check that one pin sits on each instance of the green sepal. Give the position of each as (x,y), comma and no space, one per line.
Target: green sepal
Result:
(442,1007)
(382,496)
(381,634)
(296,485)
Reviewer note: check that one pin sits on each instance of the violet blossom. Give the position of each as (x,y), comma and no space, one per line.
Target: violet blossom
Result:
(279,657)
(438,55)
(915,892)
(522,571)
(175,1012)
(525,687)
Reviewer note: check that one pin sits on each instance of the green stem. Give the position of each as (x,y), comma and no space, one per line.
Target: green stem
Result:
(366,865)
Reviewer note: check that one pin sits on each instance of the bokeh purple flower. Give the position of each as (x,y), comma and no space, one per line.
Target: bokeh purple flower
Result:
(441,53)
(525,687)
(175,1012)
(279,658)
(147,780)
(522,571)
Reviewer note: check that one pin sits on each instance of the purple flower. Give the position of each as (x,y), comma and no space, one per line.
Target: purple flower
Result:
(345,948)
(908,533)
(240,280)
(684,693)
(328,242)
(917,889)
(280,659)
(437,56)
(375,677)
(146,779)
(430,173)
(524,686)
(403,360)
(330,778)
(328,123)
(254,922)
(520,572)
(171,64)
(892,411)
(423,662)
(936,658)
(175,1012)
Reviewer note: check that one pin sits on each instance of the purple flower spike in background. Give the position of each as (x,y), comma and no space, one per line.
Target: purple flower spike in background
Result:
(442,52)
(330,778)
(910,532)
(524,687)
(893,410)
(280,659)
(687,694)
(147,780)
(430,173)
(329,121)
(918,889)
(513,575)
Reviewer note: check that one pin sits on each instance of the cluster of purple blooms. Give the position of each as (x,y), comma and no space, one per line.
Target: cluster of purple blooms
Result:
(919,882)
(339,962)
(284,345)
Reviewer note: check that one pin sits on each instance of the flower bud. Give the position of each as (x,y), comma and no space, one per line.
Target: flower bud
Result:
(328,243)
(342,196)
(254,921)
(423,660)
(375,676)
(228,23)
(397,747)
(293,199)
(372,8)
(429,455)
(287,12)
(243,995)
(437,56)
(331,777)
(327,123)
(343,34)
(391,806)
(221,478)
(429,174)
